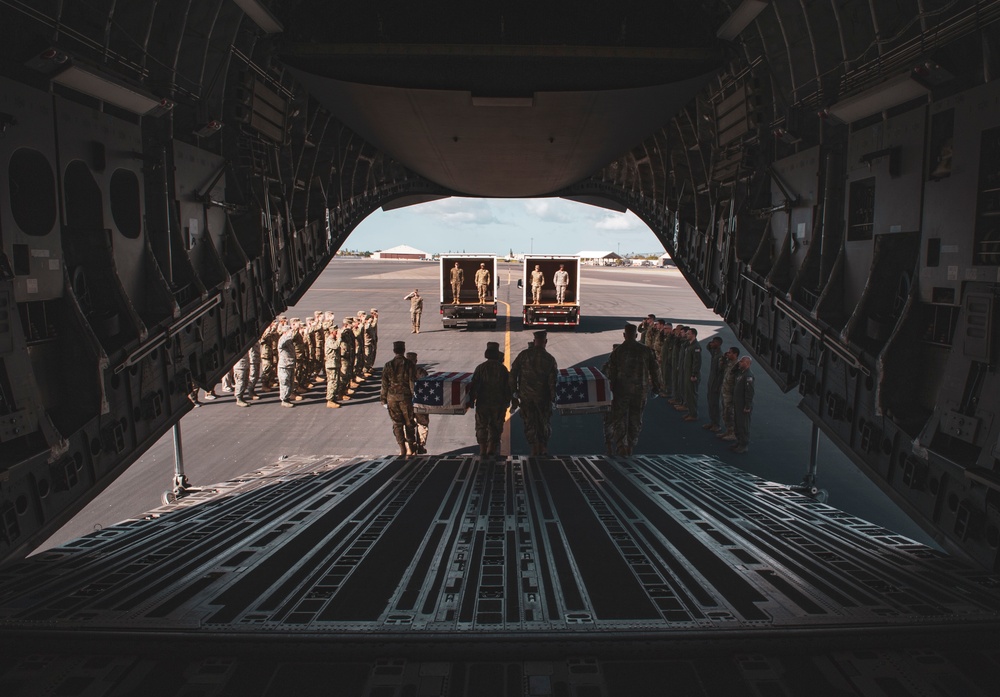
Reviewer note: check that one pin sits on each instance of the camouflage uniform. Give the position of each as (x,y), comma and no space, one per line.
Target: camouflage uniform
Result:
(331,363)
(421,421)
(253,371)
(666,360)
(348,346)
(374,335)
(743,390)
(286,365)
(715,368)
(268,351)
(359,351)
(537,281)
(728,383)
(631,369)
(680,348)
(240,371)
(483,284)
(416,309)
(398,376)
(489,393)
(692,378)
(533,382)
(302,359)
(368,333)
(457,278)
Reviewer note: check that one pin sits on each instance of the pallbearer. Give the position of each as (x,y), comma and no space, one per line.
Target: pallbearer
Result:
(490,393)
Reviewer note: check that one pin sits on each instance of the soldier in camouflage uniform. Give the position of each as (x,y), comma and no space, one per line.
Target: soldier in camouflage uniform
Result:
(286,364)
(644,327)
(632,368)
(240,371)
(398,376)
(268,352)
(728,382)
(537,281)
(348,346)
(490,394)
(421,421)
(680,348)
(416,309)
(743,390)
(374,335)
(715,370)
(457,278)
(359,347)
(666,359)
(533,385)
(331,363)
(301,361)
(368,332)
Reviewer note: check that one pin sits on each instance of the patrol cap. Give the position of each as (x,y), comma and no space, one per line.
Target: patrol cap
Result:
(398,346)
(411,354)
(630,329)
(361,313)
(541,334)
(492,350)
(374,310)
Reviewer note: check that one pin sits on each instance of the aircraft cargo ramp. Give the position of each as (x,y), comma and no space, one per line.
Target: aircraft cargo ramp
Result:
(584,575)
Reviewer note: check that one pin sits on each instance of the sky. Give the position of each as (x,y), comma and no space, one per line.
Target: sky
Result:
(497,226)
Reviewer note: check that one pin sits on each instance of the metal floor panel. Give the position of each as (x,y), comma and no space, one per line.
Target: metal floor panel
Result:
(609,559)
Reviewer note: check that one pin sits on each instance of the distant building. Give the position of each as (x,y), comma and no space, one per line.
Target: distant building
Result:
(599,258)
(401,252)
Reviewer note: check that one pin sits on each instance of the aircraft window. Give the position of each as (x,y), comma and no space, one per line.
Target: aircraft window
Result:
(32,192)
(125,203)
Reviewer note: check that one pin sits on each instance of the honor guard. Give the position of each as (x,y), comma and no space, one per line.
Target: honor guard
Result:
(489,394)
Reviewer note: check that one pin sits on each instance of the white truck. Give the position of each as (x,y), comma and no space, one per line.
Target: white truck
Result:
(466,310)
(548,311)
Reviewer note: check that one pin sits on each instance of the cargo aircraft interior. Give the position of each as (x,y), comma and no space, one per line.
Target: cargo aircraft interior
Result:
(824,173)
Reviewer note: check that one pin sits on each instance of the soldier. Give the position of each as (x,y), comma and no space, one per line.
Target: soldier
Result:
(373,330)
(240,380)
(348,346)
(728,383)
(398,376)
(632,368)
(483,283)
(253,372)
(667,359)
(560,279)
(716,366)
(331,363)
(692,374)
(286,365)
(268,350)
(421,421)
(302,357)
(416,309)
(644,327)
(368,333)
(317,337)
(533,387)
(490,394)
(680,348)
(360,323)
(742,405)
(537,281)
(457,279)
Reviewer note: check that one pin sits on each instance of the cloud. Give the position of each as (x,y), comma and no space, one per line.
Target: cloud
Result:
(620,221)
(550,211)
(459,211)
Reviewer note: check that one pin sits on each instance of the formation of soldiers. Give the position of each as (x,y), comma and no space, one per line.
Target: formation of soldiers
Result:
(293,356)
(730,390)
(560,279)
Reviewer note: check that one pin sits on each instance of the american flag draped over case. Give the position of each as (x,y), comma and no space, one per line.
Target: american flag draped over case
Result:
(582,390)
(442,393)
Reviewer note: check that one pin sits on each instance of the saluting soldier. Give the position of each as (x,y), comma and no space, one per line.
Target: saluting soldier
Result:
(368,331)
(416,309)
(537,281)
(421,421)
(644,327)
(398,376)
(359,348)
(268,352)
(457,277)
(331,363)
(490,394)
(533,387)
(692,374)
(742,405)
(728,383)
(632,369)
(483,283)
(667,359)
(716,367)
(301,361)
(374,334)
(286,365)
(348,346)
(680,348)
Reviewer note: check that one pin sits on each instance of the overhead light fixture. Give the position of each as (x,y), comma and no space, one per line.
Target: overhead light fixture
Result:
(740,19)
(102,87)
(885,95)
(261,16)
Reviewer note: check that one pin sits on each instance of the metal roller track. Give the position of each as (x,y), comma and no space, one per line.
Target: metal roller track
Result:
(457,565)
